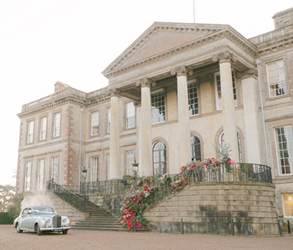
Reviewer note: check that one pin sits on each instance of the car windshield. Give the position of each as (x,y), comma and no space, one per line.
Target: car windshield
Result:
(43,210)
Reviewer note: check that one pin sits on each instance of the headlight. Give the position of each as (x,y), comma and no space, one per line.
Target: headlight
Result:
(64,220)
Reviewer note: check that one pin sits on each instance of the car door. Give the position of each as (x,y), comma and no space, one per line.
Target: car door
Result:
(23,219)
(30,219)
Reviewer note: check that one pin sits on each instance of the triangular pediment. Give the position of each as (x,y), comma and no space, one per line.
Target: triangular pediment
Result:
(159,38)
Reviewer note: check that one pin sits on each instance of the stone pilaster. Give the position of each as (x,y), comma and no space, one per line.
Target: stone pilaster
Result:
(138,136)
(228,108)
(251,114)
(183,115)
(114,135)
(145,149)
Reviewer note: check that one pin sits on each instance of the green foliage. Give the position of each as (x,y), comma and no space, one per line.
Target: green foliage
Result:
(15,208)
(127,177)
(4,218)
(223,152)
(7,193)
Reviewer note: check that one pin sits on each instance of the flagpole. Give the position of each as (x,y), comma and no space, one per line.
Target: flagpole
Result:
(193,11)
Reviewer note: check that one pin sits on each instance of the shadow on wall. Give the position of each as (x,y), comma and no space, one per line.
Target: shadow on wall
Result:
(37,200)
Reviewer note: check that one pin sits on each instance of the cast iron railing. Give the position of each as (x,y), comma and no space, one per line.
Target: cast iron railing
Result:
(99,187)
(239,172)
(68,196)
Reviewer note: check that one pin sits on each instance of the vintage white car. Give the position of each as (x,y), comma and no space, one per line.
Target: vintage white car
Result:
(39,219)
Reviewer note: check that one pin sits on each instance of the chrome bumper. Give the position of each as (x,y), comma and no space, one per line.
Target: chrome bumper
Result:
(54,228)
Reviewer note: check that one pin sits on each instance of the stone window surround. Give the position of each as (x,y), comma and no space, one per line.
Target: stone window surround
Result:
(265,83)
(27,128)
(124,151)
(273,159)
(53,122)
(38,159)
(26,160)
(193,133)
(89,155)
(279,201)
(281,193)
(164,90)
(154,141)
(125,116)
(51,156)
(96,109)
(236,88)
(40,128)
(268,95)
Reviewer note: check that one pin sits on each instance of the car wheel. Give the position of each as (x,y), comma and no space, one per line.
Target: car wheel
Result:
(18,228)
(39,232)
(65,231)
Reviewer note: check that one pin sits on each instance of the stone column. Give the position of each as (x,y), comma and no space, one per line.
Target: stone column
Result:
(114,135)
(183,115)
(228,108)
(145,147)
(251,114)
(138,136)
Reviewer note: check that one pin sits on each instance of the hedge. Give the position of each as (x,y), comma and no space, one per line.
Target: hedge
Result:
(4,218)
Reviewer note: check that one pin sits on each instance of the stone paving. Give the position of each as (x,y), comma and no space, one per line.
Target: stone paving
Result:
(79,240)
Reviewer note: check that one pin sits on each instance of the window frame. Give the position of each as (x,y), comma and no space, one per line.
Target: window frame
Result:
(189,83)
(165,105)
(236,91)
(276,150)
(53,125)
(38,175)
(283,205)
(33,131)
(239,143)
(200,147)
(52,168)
(91,125)
(126,117)
(268,77)
(30,176)
(126,160)
(153,154)
(97,166)
(41,127)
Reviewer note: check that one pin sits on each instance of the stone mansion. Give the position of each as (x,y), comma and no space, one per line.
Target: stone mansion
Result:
(174,93)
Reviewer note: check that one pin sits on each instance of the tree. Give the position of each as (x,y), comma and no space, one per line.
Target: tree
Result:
(7,193)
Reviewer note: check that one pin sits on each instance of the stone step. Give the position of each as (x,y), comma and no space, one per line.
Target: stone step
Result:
(98,225)
(100,229)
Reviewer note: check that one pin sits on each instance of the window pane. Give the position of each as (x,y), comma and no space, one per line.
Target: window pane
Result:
(130,156)
(40,184)
(276,78)
(95,123)
(43,130)
(55,168)
(192,99)
(30,134)
(158,107)
(195,148)
(94,168)
(56,131)
(27,180)
(159,158)
(130,115)
(284,141)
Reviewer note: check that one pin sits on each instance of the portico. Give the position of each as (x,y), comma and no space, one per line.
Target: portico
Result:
(184,53)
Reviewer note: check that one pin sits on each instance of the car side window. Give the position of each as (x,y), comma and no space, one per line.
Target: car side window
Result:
(25,211)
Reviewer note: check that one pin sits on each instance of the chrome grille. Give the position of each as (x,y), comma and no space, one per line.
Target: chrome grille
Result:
(57,221)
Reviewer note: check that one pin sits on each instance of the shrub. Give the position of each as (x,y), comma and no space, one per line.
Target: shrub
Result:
(4,218)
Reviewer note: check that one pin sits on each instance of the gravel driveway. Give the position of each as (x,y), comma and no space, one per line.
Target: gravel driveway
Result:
(81,240)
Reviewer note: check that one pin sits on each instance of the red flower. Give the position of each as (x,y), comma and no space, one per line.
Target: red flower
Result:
(131,212)
(137,222)
(141,194)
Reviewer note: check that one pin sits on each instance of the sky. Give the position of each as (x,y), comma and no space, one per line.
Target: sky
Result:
(73,41)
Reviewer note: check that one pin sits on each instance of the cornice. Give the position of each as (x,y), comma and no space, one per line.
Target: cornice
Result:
(228,33)
(275,46)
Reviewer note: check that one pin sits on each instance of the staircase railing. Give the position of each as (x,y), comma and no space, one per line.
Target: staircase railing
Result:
(66,195)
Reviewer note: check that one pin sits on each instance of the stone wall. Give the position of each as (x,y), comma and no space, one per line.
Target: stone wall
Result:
(210,207)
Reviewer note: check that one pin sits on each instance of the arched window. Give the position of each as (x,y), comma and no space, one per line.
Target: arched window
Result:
(195,148)
(159,158)
(222,141)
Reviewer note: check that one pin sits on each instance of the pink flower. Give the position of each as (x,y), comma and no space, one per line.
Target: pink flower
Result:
(188,168)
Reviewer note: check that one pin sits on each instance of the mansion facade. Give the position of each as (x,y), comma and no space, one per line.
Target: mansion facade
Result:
(174,93)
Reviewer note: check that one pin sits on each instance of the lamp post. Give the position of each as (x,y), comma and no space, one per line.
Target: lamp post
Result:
(135,170)
(84,173)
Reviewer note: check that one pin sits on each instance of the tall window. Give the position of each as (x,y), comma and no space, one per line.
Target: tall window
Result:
(130,156)
(158,107)
(284,140)
(43,128)
(108,120)
(56,131)
(195,148)
(27,180)
(222,141)
(94,168)
(276,78)
(95,123)
(192,99)
(40,183)
(288,205)
(30,132)
(108,166)
(130,115)
(55,169)
(219,93)
(159,158)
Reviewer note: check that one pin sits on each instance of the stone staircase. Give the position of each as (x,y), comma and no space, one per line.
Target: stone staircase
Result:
(99,219)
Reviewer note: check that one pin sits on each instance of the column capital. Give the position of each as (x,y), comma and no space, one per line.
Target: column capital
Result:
(145,82)
(223,57)
(182,71)
(247,73)
(114,92)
